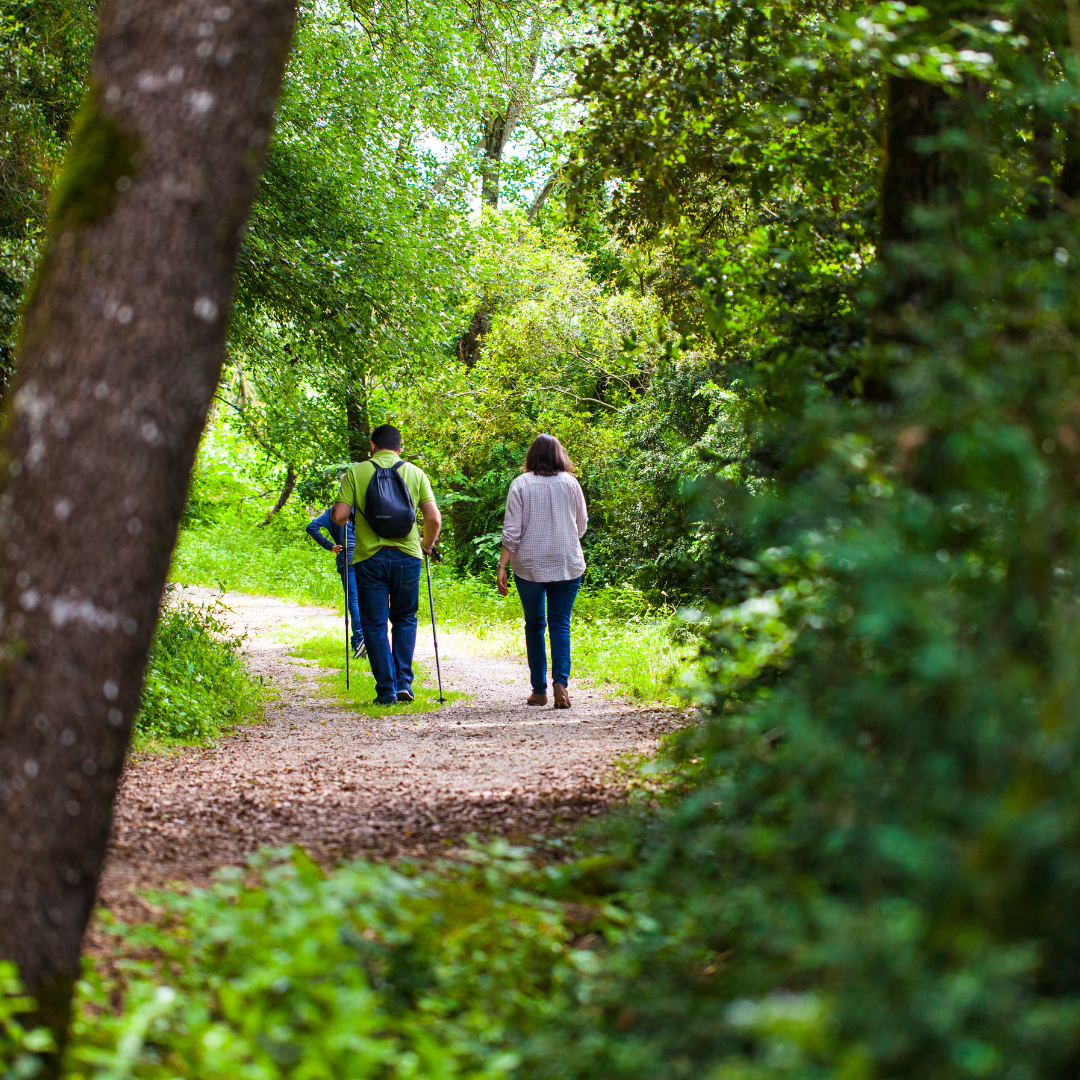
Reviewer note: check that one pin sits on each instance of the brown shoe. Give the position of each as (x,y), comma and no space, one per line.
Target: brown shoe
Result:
(536,699)
(562,698)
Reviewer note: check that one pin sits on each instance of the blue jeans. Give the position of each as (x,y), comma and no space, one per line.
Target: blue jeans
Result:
(560,603)
(354,610)
(388,588)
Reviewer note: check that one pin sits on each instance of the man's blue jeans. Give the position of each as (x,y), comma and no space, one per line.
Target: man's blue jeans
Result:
(354,610)
(388,588)
(560,597)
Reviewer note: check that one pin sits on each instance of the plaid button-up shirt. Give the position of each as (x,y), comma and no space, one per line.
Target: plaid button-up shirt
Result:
(544,523)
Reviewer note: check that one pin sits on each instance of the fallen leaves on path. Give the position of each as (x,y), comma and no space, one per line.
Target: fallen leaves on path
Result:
(345,785)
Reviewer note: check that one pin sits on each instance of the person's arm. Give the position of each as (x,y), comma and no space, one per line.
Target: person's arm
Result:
(432,524)
(342,510)
(511,534)
(501,582)
(582,512)
(314,530)
(513,519)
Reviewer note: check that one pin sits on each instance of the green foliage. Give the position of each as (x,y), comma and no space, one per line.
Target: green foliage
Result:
(367,972)
(196,685)
(19,1046)
(868,858)
(278,560)
(45,48)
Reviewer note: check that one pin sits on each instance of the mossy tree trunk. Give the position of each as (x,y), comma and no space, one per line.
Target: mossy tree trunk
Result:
(122,349)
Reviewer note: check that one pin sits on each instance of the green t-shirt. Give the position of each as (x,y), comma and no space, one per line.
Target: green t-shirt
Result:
(354,492)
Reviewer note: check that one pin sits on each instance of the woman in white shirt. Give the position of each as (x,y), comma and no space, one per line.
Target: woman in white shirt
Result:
(541,539)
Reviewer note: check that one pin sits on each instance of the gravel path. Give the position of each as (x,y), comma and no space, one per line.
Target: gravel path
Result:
(344,785)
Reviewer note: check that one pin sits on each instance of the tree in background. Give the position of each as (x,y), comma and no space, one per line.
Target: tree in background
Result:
(45,49)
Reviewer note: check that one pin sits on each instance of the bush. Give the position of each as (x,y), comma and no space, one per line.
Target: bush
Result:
(869,862)
(196,684)
(368,972)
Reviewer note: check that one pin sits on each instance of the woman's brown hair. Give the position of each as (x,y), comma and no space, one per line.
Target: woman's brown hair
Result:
(546,457)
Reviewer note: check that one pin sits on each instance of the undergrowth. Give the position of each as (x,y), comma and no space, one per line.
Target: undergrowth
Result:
(196,683)
(371,971)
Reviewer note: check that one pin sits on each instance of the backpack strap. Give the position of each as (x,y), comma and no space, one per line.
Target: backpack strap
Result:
(397,464)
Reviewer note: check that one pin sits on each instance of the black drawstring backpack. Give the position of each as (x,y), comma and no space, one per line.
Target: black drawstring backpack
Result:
(388,506)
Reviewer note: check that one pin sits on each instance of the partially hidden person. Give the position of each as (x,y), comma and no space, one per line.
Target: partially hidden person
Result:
(341,543)
(545,519)
(388,557)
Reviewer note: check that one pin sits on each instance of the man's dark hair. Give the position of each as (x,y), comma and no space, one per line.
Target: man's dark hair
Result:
(546,457)
(386,437)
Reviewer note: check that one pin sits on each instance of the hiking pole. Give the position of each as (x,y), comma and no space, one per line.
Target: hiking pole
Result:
(431,601)
(346,574)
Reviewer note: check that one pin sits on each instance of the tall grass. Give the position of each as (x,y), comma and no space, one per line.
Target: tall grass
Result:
(278,561)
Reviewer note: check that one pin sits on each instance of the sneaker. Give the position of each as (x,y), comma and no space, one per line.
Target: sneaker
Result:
(404,697)
(359,651)
(391,701)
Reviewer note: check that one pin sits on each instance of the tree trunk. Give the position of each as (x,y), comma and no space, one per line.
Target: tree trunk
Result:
(283,498)
(471,342)
(359,423)
(1042,153)
(494,142)
(122,350)
(912,175)
(1068,184)
(916,175)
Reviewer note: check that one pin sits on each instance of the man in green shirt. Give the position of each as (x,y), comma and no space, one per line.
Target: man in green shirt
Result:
(387,571)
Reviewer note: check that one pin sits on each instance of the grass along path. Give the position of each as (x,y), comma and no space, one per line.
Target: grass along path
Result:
(344,779)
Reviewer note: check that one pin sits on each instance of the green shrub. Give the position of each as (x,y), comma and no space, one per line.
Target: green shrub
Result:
(869,862)
(196,685)
(368,972)
(19,1044)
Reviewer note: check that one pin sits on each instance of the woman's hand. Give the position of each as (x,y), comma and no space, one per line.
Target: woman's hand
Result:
(500,580)
(338,549)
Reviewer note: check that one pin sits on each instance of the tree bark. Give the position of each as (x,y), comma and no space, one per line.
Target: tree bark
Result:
(122,350)
(917,175)
(912,175)
(1068,184)
(286,490)
(1042,153)
(471,343)
(495,139)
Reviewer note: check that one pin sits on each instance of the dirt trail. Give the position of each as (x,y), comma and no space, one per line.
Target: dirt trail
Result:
(343,785)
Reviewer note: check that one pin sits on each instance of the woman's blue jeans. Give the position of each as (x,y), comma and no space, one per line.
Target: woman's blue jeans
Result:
(560,596)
